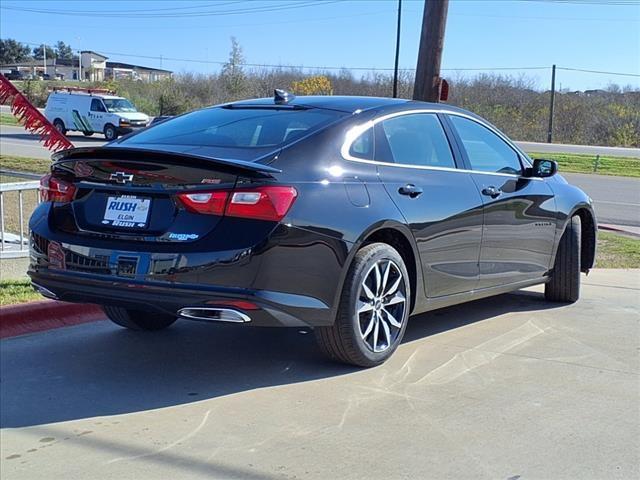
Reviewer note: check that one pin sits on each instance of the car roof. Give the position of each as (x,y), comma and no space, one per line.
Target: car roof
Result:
(351,104)
(341,103)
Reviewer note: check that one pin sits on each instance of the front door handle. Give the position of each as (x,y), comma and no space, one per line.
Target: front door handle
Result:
(492,192)
(410,190)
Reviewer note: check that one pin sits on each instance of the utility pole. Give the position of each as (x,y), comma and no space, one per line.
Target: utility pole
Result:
(434,20)
(44,54)
(395,68)
(552,105)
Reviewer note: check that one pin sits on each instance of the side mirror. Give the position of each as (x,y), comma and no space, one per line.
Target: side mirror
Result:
(543,168)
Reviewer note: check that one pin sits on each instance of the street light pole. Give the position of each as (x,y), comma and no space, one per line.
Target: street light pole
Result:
(395,68)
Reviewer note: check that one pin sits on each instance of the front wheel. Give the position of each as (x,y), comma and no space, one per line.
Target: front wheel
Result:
(138,319)
(373,311)
(564,285)
(110,132)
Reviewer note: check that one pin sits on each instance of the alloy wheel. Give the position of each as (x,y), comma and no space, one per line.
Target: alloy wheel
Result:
(381,305)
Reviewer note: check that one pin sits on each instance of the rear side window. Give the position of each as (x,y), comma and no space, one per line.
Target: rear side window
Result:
(416,139)
(236,127)
(362,147)
(486,151)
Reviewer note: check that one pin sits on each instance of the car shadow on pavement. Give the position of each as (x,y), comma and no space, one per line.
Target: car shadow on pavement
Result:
(99,369)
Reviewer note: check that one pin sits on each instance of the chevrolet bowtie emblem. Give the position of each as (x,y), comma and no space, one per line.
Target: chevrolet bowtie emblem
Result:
(121,177)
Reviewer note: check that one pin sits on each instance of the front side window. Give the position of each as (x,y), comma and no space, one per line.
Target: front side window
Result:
(97,106)
(237,127)
(487,152)
(416,139)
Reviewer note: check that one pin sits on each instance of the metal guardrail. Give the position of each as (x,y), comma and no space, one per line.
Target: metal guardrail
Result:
(15,245)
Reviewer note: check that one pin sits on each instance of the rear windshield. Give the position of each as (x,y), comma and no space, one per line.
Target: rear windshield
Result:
(236,127)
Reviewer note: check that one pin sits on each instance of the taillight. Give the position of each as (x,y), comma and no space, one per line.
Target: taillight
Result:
(210,203)
(261,203)
(55,190)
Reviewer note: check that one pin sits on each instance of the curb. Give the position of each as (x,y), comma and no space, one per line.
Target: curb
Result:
(630,231)
(45,315)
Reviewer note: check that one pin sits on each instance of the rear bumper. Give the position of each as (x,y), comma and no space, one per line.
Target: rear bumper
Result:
(264,308)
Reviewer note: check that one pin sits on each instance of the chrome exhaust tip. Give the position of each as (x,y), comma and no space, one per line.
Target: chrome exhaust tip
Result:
(213,314)
(45,292)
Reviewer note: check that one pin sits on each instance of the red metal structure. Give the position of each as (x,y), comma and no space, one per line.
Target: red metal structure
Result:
(31,118)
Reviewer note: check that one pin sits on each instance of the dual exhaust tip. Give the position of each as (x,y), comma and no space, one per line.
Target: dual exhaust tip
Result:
(213,314)
(206,314)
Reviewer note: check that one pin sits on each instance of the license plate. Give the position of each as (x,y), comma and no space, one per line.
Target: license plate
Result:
(128,212)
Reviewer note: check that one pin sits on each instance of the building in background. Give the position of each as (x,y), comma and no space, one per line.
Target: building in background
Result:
(90,66)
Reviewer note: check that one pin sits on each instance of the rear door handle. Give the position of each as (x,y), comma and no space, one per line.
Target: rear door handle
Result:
(492,192)
(410,190)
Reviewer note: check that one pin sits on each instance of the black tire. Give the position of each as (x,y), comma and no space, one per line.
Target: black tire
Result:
(345,341)
(87,134)
(59,124)
(110,132)
(564,285)
(138,319)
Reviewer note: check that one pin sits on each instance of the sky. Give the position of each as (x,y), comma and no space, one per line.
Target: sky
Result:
(523,37)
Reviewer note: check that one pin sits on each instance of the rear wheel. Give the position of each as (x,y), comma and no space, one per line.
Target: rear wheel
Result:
(110,132)
(138,319)
(59,124)
(373,310)
(564,285)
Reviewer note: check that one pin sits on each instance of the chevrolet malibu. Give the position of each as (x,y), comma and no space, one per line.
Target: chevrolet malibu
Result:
(342,214)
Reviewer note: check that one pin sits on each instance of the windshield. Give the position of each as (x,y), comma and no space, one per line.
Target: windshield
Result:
(115,105)
(236,127)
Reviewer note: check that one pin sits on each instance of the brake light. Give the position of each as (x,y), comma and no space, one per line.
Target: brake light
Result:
(261,203)
(55,190)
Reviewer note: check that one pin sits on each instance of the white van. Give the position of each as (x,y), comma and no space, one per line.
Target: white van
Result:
(90,113)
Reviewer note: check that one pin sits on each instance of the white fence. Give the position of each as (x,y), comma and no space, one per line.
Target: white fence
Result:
(15,243)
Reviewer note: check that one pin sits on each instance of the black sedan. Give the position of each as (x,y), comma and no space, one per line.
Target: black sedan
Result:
(343,214)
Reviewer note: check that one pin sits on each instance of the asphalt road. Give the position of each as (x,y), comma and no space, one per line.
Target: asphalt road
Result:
(504,388)
(617,199)
(583,149)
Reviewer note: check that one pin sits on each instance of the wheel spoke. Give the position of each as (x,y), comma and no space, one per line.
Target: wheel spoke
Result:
(376,269)
(397,298)
(367,331)
(376,329)
(393,287)
(364,307)
(387,332)
(367,291)
(392,319)
(385,277)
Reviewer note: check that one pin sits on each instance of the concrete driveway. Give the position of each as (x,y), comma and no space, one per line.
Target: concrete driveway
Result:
(504,388)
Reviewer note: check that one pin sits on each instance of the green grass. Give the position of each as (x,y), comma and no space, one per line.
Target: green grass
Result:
(607,165)
(17,291)
(8,119)
(25,164)
(617,251)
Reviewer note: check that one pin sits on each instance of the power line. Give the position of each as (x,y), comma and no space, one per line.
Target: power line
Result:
(208,13)
(599,71)
(326,67)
